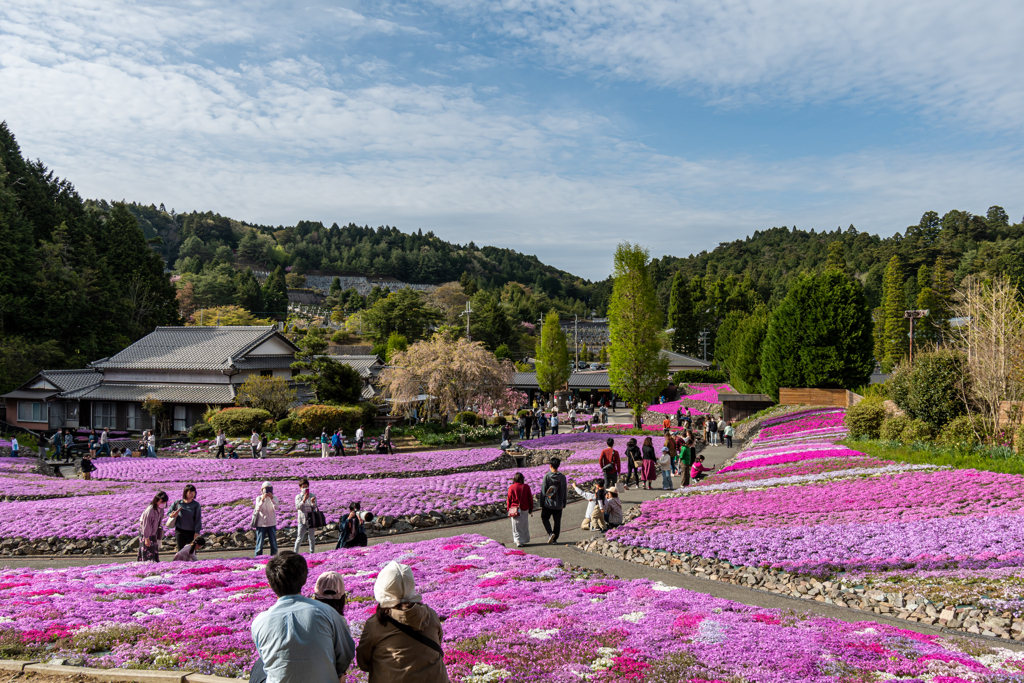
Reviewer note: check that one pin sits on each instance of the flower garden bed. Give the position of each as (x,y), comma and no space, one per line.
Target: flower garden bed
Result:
(796,508)
(510,617)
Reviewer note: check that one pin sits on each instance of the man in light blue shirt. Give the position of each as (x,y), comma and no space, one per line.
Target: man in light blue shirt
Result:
(300,640)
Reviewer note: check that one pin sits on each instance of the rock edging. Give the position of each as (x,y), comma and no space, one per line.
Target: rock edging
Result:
(971,619)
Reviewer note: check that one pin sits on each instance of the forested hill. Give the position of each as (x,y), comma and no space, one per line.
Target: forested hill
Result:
(310,246)
(769,260)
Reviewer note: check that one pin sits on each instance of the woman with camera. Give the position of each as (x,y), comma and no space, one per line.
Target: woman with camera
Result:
(264,519)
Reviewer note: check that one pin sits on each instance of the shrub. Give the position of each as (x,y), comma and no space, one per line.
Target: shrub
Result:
(239,421)
(525,412)
(865,418)
(286,426)
(961,431)
(313,419)
(699,377)
(1018,438)
(916,430)
(467,417)
(892,427)
(931,388)
(340,337)
(201,430)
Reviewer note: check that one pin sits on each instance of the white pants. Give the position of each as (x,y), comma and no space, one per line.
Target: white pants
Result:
(521,527)
(305,530)
(325,450)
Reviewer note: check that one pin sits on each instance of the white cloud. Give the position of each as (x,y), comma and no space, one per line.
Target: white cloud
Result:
(956,59)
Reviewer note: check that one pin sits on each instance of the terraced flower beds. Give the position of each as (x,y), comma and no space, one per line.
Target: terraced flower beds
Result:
(510,617)
(797,505)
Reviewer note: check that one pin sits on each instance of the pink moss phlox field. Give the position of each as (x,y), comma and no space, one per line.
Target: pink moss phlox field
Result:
(350,466)
(817,452)
(511,617)
(704,393)
(805,425)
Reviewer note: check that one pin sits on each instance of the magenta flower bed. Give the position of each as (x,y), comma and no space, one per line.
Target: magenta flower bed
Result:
(814,452)
(511,617)
(805,425)
(350,466)
(789,469)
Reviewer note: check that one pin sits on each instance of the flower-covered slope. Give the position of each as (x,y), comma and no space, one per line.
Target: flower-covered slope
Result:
(510,617)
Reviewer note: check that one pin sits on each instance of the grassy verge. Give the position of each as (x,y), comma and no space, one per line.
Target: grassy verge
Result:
(999,459)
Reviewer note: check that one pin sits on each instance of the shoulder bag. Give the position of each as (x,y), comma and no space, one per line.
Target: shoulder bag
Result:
(513,511)
(415,635)
(318,518)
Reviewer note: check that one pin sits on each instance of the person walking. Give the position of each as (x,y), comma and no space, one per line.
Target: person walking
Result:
(254,444)
(69,441)
(633,463)
(325,444)
(521,426)
(188,517)
(401,642)
(387,438)
(572,417)
(649,467)
(151,443)
(688,454)
(105,442)
(360,435)
(536,426)
(610,464)
(679,415)
(298,640)
(519,506)
(673,451)
(15,447)
(554,423)
(336,443)
(151,529)
(305,503)
(264,518)
(729,432)
(221,442)
(554,495)
(542,422)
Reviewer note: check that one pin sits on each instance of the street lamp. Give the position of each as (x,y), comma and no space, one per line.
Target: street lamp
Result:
(912,316)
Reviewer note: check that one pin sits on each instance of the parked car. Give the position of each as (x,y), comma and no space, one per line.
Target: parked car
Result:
(582,365)
(596,366)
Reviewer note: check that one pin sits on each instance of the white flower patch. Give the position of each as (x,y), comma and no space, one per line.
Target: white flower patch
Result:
(596,599)
(633,617)
(155,611)
(665,588)
(538,633)
(550,573)
(485,673)
(5,620)
(478,601)
(474,557)
(1000,658)
(490,575)
(710,631)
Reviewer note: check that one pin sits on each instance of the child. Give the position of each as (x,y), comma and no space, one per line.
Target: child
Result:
(698,469)
(595,507)
(188,553)
(87,467)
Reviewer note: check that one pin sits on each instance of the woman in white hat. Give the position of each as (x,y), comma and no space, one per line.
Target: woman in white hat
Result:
(401,643)
(264,519)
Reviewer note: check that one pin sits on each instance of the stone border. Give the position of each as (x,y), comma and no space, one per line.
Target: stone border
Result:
(962,619)
(57,667)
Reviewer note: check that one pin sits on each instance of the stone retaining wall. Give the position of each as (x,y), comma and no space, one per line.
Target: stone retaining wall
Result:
(964,618)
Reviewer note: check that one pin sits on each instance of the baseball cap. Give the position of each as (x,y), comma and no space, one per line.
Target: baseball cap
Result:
(330,586)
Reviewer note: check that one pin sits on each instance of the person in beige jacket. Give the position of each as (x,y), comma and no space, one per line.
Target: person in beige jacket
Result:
(401,643)
(264,519)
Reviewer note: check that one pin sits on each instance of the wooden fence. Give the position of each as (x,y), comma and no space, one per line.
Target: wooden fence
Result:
(841,398)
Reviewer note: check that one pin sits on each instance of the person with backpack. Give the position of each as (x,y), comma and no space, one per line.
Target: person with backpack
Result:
(401,642)
(554,495)
(610,464)
(633,463)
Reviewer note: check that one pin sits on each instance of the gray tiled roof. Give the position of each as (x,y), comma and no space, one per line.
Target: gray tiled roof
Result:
(525,380)
(365,365)
(167,393)
(683,359)
(72,380)
(588,380)
(188,348)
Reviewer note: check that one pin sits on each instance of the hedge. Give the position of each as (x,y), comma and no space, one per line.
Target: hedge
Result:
(313,419)
(699,377)
(467,417)
(892,427)
(865,418)
(239,421)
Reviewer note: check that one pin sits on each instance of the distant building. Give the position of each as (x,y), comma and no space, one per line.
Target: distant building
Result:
(188,369)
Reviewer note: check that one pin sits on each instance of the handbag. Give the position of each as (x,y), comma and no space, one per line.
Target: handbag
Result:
(318,518)
(255,516)
(513,511)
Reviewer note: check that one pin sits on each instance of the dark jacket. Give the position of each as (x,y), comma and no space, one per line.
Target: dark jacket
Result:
(190,518)
(648,453)
(554,492)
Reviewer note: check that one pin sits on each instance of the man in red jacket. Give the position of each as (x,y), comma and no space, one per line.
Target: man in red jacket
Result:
(610,464)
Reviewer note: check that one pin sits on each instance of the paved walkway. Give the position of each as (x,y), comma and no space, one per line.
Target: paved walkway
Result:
(565,550)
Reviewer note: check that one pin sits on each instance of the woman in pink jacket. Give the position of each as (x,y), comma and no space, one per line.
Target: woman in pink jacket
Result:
(151,529)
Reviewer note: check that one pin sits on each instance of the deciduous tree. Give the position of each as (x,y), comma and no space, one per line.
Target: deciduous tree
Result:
(552,356)
(273,394)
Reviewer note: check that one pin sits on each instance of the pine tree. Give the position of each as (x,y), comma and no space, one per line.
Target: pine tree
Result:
(745,363)
(552,356)
(275,293)
(894,346)
(681,317)
(819,336)
(638,372)
(837,257)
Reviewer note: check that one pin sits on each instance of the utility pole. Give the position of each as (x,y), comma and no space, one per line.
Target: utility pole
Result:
(576,339)
(469,309)
(704,339)
(912,316)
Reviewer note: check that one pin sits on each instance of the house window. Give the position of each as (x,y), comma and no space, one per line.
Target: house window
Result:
(179,418)
(266,373)
(32,411)
(134,417)
(103,415)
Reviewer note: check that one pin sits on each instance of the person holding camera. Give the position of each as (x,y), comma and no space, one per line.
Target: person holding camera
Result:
(305,503)
(353,529)
(264,519)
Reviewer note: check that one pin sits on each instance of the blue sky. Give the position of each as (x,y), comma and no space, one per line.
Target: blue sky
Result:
(555,128)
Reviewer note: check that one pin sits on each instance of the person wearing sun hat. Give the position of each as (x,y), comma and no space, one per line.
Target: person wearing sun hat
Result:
(401,643)
(330,590)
